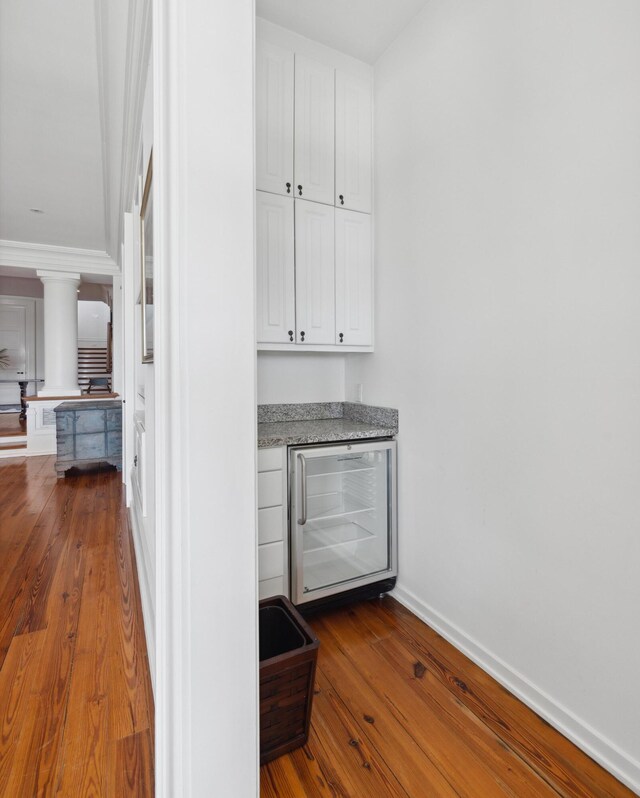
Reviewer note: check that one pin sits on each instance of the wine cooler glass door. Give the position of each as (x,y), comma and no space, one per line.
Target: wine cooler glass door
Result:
(342,517)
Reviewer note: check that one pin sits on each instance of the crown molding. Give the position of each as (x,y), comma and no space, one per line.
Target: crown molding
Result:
(102,50)
(138,54)
(47,256)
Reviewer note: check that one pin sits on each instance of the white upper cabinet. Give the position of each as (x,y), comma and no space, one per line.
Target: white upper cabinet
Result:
(353,142)
(274,118)
(354,279)
(275,269)
(314,130)
(315,273)
(314,199)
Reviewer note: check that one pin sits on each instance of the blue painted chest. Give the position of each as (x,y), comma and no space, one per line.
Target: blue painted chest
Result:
(88,431)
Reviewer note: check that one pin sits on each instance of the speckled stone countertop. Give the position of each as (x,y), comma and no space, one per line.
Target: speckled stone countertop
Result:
(323,422)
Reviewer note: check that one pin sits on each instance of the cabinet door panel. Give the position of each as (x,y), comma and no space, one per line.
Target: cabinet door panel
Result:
(274,118)
(315,273)
(354,279)
(314,130)
(353,143)
(274,268)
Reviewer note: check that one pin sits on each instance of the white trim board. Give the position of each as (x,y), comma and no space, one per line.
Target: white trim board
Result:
(146,594)
(6,454)
(606,753)
(46,256)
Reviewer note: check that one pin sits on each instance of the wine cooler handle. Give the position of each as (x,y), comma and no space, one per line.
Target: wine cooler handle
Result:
(303,493)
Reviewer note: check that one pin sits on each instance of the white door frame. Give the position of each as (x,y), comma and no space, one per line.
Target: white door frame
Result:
(205,372)
(29,304)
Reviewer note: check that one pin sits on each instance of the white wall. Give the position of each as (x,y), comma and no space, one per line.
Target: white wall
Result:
(507,330)
(93,318)
(140,390)
(207,691)
(300,377)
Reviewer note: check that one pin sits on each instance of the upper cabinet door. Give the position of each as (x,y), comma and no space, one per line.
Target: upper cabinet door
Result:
(354,279)
(353,143)
(315,273)
(275,269)
(274,119)
(314,130)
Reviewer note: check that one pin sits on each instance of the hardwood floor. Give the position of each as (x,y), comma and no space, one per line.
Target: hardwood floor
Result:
(398,712)
(76,708)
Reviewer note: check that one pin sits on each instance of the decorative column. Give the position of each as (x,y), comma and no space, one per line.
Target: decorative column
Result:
(60,333)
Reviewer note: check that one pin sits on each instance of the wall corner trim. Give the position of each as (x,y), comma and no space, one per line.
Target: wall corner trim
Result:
(606,753)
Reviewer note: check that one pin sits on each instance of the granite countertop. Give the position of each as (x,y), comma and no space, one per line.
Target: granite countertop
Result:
(325,422)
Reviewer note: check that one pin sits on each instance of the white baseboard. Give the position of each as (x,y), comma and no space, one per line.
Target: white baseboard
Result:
(146,594)
(623,766)
(8,453)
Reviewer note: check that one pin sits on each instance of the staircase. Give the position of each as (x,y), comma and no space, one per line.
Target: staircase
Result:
(92,362)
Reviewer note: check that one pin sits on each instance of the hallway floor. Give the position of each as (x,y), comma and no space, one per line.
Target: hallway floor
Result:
(76,708)
(400,713)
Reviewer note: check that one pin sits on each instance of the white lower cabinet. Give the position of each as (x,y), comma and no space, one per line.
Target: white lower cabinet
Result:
(273,554)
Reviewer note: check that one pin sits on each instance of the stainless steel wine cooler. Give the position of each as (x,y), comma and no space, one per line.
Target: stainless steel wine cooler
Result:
(342,518)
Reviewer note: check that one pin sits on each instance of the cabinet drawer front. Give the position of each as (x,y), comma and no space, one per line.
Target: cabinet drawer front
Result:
(269,459)
(270,525)
(271,587)
(269,489)
(270,560)
(90,421)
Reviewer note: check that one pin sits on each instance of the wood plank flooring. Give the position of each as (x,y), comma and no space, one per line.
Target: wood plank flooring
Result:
(399,712)
(76,708)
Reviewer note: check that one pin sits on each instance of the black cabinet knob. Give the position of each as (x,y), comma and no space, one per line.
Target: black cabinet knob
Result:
(341,337)
(302,335)
(300,190)
(288,185)
(341,198)
(290,334)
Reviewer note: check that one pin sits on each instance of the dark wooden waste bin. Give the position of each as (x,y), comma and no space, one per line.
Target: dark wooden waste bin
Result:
(288,654)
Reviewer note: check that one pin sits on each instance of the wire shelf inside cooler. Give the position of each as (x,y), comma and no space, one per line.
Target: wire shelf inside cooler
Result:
(330,536)
(335,505)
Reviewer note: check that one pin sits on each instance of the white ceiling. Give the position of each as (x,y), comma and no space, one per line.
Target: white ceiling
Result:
(361,28)
(50,141)
(62,76)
